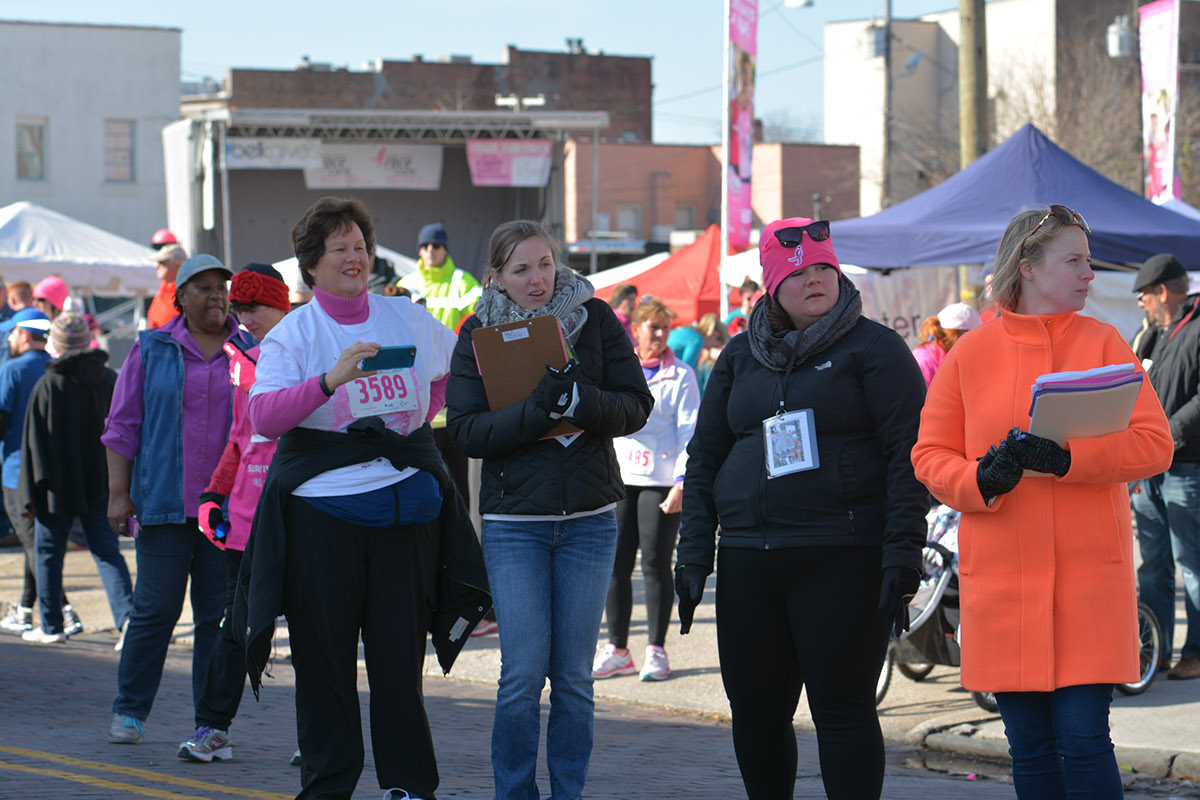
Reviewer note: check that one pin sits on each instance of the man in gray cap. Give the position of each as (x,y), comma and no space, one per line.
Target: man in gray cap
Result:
(1165,506)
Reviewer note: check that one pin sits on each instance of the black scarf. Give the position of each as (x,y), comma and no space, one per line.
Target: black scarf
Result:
(780,350)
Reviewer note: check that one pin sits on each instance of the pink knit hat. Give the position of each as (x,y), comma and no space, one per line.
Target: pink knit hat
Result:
(778,261)
(53,289)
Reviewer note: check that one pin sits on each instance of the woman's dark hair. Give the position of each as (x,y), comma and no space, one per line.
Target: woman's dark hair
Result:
(508,235)
(328,216)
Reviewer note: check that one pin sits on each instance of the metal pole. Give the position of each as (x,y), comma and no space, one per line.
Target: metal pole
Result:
(886,200)
(595,194)
(724,157)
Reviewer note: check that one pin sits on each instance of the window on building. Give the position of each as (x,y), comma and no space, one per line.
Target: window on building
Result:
(31,149)
(685,216)
(118,150)
(629,137)
(629,219)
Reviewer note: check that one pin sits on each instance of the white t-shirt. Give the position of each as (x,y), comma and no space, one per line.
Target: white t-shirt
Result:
(308,342)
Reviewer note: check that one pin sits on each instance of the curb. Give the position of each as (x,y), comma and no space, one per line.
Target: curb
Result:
(1154,763)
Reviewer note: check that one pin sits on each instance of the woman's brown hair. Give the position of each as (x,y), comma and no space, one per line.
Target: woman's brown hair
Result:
(328,216)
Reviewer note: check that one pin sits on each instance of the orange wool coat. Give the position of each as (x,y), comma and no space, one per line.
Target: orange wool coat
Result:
(1046,572)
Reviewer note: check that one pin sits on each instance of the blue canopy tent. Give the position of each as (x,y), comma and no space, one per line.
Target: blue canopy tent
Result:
(960,220)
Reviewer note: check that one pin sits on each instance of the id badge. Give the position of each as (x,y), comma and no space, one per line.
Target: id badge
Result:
(791,443)
(386,392)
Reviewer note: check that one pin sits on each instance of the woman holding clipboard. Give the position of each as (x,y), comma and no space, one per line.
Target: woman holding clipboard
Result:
(1049,611)
(549,526)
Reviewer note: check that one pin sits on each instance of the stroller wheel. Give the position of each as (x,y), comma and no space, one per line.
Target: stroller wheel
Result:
(986,701)
(1150,651)
(915,672)
(885,677)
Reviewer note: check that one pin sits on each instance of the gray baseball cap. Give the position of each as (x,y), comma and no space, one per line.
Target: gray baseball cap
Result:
(197,264)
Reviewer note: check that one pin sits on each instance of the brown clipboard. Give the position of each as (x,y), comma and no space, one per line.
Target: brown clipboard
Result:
(512,359)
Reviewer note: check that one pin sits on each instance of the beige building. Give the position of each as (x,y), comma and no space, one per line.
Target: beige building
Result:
(1047,64)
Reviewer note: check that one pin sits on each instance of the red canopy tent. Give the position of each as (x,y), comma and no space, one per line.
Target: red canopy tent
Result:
(688,281)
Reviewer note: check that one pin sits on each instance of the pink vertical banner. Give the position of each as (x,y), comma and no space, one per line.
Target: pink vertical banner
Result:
(743,32)
(1159,34)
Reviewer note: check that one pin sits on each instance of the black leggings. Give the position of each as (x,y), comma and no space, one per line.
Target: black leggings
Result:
(641,523)
(803,618)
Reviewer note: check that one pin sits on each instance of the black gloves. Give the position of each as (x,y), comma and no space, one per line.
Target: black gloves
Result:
(899,586)
(999,470)
(1040,455)
(555,391)
(689,585)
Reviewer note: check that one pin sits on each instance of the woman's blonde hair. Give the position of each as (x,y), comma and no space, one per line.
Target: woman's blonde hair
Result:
(1006,281)
(651,308)
(508,235)
(710,325)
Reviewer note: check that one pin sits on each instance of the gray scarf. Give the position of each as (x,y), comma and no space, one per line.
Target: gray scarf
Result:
(781,350)
(571,291)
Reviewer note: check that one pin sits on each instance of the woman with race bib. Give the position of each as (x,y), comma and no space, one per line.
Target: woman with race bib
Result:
(347,536)
(652,465)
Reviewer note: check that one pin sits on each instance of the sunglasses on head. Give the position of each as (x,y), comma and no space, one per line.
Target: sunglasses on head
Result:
(1061,213)
(790,237)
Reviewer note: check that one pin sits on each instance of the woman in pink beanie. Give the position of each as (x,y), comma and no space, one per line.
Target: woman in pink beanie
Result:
(50,296)
(801,456)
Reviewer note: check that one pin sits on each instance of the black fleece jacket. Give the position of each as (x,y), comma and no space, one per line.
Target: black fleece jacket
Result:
(63,466)
(525,474)
(1175,375)
(866,393)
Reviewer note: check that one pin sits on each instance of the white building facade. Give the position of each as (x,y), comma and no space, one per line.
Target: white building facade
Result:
(81,121)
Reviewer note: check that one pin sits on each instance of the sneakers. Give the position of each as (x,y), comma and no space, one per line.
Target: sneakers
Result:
(399,794)
(655,667)
(125,730)
(18,619)
(296,759)
(207,744)
(41,637)
(1185,669)
(485,627)
(72,624)
(612,662)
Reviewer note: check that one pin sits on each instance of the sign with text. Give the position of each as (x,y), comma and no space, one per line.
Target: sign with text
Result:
(743,35)
(1159,31)
(510,162)
(377,166)
(271,153)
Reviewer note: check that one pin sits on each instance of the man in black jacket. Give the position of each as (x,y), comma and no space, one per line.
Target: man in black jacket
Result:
(64,475)
(1165,506)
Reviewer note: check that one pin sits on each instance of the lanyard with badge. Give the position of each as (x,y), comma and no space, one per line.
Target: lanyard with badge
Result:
(789,437)
(393,387)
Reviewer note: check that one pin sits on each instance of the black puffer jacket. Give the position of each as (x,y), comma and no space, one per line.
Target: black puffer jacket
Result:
(866,393)
(1174,373)
(524,474)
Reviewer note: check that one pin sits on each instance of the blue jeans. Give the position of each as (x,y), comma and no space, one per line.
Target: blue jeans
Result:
(166,556)
(1168,528)
(51,532)
(549,581)
(1059,743)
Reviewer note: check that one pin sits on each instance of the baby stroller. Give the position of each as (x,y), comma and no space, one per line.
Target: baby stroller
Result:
(933,633)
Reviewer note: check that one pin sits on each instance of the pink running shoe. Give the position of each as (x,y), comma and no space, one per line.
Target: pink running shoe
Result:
(612,662)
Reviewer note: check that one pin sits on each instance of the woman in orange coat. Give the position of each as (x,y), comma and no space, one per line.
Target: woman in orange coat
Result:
(1049,611)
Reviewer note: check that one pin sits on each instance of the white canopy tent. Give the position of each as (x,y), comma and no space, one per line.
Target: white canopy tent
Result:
(300,293)
(606,280)
(36,242)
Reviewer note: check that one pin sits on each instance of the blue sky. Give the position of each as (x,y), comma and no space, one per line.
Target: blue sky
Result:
(683,36)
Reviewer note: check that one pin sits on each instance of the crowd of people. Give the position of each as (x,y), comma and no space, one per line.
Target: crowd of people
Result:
(321,463)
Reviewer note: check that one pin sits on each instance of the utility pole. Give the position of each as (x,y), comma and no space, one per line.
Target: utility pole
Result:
(972,81)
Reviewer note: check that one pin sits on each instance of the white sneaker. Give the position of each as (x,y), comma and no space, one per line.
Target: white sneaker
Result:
(612,662)
(399,794)
(41,637)
(656,667)
(71,622)
(18,619)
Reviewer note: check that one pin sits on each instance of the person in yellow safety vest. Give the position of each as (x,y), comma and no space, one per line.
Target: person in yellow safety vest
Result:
(449,292)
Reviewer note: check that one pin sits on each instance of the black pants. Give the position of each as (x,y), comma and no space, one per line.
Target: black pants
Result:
(22,524)
(342,579)
(641,523)
(226,677)
(803,618)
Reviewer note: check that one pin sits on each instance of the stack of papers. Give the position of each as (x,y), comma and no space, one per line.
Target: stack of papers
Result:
(1093,402)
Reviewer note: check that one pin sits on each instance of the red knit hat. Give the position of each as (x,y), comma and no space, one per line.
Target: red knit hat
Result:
(778,261)
(259,283)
